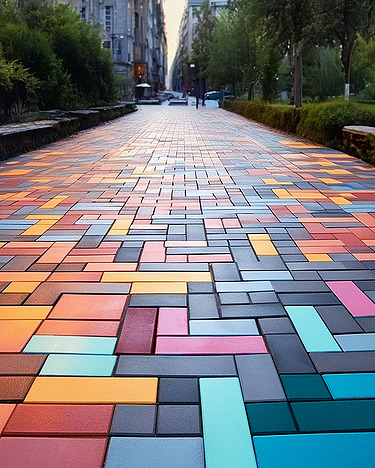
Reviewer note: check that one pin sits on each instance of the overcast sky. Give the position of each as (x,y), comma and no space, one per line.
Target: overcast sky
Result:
(173,12)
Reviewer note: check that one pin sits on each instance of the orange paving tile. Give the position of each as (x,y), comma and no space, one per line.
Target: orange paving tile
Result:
(23,312)
(14,334)
(78,328)
(90,390)
(6,409)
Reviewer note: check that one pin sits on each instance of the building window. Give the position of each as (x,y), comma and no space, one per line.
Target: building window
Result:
(108,19)
(83,14)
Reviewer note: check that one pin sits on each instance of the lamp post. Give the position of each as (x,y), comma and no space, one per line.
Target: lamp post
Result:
(196,87)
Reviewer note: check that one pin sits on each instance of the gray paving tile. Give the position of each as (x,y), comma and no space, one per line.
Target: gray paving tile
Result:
(203,306)
(252,311)
(160,452)
(134,420)
(178,390)
(289,354)
(225,272)
(158,300)
(128,254)
(346,275)
(200,288)
(367,323)
(275,326)
(308,299)
(179,420)
(234,298)
(263,297)
(361,361)
(174,366)
(300,286)
(338,319)
(259,378)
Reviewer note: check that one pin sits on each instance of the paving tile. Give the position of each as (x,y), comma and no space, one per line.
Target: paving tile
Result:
(70,344)
(14,388)
(350,415)
(314,335)
(305,387)
(178,391)
(179,420)
(348,386)
(94,390)
(52,420)
(312,450)
(158,300)
(357,342)
(73,364)
(134,420)
(173,366)
(143,452)
(14,334)
(227,439)
(21,364)
(252,310)
(138,332)
(270,418)
(202,306)
(275,326)
(89,307)
(259,378)
(367,323)
(362,361)
(353,298)
(78,328)
(289,354)
(34,452)
(225,272)
(172,321)
(338,319)
(223,327)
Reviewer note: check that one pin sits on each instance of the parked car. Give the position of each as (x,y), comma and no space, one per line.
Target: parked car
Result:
(216,95)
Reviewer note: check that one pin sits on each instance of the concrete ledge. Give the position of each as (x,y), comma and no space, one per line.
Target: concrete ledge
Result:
(360,141)
(19,138)
(178,102)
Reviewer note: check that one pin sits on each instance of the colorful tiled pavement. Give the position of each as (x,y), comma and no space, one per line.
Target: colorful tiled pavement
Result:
(183,289)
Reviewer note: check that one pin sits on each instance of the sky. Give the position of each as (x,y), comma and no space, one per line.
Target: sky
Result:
(173,12)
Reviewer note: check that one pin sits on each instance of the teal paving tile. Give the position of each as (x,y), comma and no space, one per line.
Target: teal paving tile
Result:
(226,433)
(350,386)
(313,332)
(326,416)
(161,452)
(357,342)
(305,387)
(351,450)
(70,344)
(270,418)
(73,364)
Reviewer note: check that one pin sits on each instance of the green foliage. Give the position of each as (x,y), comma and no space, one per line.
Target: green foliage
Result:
(124,86)
(321,123)
(59,52)
(203,39)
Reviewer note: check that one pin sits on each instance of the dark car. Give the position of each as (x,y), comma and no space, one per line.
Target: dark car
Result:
(216,95)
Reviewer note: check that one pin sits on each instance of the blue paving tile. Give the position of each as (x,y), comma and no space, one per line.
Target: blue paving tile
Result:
(223,327)
(73,364)
(357,342)
(161,452)
(313,332)
(350,450)
(70,345)
(227,439)
(347,386)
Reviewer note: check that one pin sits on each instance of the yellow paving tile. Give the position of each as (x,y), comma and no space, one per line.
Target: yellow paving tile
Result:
(156,276)
(39,228)
(22,287)
(282,193)
(258,237)
(262,245)
(24,312)
(53,203)
(329,180)
(338,171)
(318,257)
(341,201)
(16,172)
(275,182)
(159,288)
(92,390)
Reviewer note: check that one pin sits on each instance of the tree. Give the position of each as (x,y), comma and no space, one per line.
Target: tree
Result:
(288,21)
(343,20)
(201,47)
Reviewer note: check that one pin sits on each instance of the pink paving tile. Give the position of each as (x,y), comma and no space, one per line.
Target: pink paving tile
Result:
(358,304)
(49,420)
(176,258)
(111,267)
(89,307)
(80,277)
(219,258)
(172,322)
(210,345)
(38,452)
(138,332)
(153,252)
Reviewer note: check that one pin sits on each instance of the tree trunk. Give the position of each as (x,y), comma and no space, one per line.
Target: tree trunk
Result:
(346,53)
(297,58)
(204,86)
(197,90)
(250,93)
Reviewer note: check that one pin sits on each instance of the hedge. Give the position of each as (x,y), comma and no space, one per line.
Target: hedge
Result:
(321,123)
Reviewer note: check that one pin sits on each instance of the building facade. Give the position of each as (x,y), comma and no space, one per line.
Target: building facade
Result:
(188,29)
(135,33)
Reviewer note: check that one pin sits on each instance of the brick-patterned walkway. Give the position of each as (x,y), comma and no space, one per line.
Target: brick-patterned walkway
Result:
(182,289)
